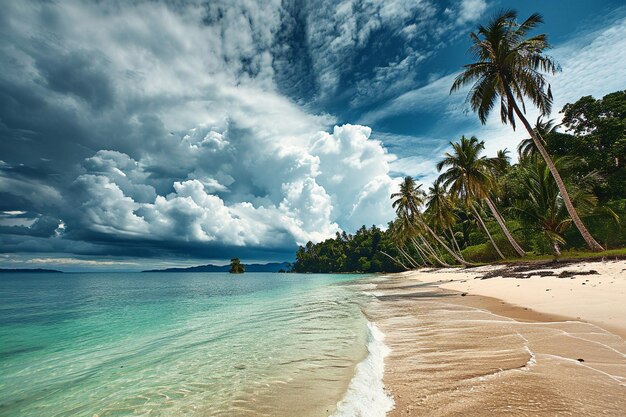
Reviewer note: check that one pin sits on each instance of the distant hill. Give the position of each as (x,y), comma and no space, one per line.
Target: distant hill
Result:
(34,270)
(269,267)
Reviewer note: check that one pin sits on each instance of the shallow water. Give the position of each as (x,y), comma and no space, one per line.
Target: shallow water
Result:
(452,356)
(178,343)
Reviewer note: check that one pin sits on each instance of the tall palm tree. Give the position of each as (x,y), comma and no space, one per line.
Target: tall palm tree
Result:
(408,199)
(470,177)
(510,67)
(407,204)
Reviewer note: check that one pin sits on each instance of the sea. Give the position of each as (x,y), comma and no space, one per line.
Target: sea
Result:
(189,344)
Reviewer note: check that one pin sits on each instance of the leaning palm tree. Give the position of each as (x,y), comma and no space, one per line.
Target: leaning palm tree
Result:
(470,177)
(407,203)
(395,237)
(440,209)
(509,67)
(543,210)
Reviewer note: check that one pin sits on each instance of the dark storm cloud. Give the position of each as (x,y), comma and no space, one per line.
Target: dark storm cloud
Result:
(44,226)
(155,129)
(80,74)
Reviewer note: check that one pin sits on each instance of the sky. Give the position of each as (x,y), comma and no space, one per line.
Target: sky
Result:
(146,134)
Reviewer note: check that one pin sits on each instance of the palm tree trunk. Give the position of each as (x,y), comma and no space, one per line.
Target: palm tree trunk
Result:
(555,249)
(591,242)
(421,261)
(421,253)
(433,254)
(442,243)
(480,220)
(505,230)
(409,258)
(455,243)
(394,259)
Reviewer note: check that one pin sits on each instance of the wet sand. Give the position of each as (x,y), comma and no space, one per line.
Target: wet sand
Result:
(474,355)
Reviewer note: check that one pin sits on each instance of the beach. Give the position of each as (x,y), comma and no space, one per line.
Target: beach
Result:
(532,339)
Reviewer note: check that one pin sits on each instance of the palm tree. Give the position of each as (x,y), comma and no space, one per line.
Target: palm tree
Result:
(543,128)
(407,204)
(543,210)
(509,67)
(440,209)
(470,177)
(502,162)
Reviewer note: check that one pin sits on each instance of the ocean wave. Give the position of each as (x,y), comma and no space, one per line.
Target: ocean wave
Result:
(366,395)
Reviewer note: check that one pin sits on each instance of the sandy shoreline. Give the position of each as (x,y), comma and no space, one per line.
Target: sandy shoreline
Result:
(517,343)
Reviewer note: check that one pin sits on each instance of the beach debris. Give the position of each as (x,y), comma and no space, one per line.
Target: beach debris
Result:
(580,360)
(568,274)
(463,294)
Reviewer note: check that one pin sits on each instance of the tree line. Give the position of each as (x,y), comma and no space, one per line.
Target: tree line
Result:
(566,191)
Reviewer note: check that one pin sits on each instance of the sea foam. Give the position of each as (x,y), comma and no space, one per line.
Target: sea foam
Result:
(366,396)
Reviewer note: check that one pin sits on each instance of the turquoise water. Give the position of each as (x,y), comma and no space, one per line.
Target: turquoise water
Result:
(177,343)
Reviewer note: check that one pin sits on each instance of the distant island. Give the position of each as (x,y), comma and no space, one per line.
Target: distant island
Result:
(236,267)
(268,267)
(34,270)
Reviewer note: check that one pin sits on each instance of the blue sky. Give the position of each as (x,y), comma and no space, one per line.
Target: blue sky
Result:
(176,133)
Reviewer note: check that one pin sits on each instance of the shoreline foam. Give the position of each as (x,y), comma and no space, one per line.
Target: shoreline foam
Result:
(366,395)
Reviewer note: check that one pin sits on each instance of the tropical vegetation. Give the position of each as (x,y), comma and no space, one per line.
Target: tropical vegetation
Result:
(565,192)
(236,267)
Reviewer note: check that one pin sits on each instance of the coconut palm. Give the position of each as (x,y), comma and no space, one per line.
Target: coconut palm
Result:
(510,67)
(408,199)
(407,204)
(409,223)
(543,128)
(502,162)
(543,209)
(469,177)
(440,209)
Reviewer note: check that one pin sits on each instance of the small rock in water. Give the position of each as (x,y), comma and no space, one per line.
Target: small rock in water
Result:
(240,366)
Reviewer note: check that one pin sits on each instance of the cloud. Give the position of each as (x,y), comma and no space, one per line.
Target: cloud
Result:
(470,10)
(167,141)
(76,261)
(591,63)
(271,193)
(432,97)
(164,128)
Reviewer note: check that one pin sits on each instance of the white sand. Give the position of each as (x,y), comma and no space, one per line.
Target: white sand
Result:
(597,299)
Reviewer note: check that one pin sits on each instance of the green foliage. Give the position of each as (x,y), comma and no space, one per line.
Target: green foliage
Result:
(591,158)
(542,210)
(482,253)
(509,67)
(236,267)
(599,139)
(361,252)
